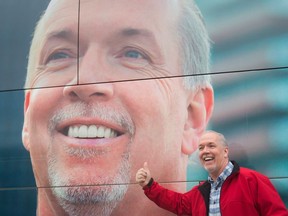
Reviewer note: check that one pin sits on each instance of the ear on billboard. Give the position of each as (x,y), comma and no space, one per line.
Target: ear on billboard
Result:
(199,111)
(25,131)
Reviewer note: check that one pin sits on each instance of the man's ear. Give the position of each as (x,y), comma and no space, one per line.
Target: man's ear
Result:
(226,151)
(25,130)
(199,110)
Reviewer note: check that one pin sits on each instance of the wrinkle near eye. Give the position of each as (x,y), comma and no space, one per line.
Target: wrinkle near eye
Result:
(167,82)
(38,73)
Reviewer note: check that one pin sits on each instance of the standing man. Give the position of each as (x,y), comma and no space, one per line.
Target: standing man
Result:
(229,190)
(86,131)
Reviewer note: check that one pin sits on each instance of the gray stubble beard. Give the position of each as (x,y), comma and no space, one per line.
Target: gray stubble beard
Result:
(94,198)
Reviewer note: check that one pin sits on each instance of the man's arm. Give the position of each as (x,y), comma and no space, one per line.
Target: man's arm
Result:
(172,201)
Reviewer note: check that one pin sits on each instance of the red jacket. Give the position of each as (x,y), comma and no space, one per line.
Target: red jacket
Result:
(244,193)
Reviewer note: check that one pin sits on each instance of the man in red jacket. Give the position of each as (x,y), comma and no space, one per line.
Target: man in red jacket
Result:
(229,190)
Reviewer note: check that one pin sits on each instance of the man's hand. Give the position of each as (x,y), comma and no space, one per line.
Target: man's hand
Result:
(143,175)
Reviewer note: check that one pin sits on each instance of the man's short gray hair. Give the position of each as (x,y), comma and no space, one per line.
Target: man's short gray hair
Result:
(194,46)
(220,136)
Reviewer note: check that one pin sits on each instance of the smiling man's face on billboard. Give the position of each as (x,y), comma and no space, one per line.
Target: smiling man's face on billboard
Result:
(87,134)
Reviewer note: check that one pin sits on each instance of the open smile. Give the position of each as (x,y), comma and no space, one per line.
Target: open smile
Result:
(207,158)
(90,131)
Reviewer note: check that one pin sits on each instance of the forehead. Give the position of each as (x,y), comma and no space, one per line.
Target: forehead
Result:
(101,18)
(209,137)
(150,9)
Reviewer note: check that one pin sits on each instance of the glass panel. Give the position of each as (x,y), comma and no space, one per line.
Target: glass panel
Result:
(247,34)
(18,201)
(18,19)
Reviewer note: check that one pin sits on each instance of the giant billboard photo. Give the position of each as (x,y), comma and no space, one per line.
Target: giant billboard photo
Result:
(109,85)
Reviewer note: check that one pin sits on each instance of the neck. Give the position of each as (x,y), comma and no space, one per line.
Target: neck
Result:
(215,175)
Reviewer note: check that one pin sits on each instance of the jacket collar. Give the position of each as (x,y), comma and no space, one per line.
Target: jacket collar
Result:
(205,187)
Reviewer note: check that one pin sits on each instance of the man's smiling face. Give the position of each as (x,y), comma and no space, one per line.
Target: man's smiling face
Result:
(91,134)
(213,153)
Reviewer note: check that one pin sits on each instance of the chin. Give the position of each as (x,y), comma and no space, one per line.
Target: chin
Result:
(88,187)
(86,195)
(209,169)
(90,200)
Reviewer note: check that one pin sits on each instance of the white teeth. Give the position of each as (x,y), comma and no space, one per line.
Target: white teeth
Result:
(70,132)
(91,131)
(101,131)
(83,131)
(107,132)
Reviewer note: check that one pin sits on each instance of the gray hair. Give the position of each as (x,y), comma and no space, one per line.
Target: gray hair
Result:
(220,136)
(195,46)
